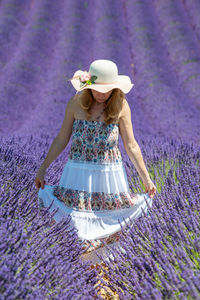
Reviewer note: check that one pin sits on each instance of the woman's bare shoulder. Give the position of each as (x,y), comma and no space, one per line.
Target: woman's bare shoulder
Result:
(74,103)
(125,108)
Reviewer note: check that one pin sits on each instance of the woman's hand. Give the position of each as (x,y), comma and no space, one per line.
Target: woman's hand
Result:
(39,180)
(150,188)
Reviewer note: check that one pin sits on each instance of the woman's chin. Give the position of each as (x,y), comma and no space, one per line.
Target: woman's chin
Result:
(100,101)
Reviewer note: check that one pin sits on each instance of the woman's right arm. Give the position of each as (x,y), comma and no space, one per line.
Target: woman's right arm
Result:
(63,137)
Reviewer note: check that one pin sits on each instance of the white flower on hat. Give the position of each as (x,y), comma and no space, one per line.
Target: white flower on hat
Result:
(86,78)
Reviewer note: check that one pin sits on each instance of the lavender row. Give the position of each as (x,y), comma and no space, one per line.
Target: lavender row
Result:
(13,19)
(161,258)
(163,102)
(38,260)
(192,9)
(22,78)
(182,46)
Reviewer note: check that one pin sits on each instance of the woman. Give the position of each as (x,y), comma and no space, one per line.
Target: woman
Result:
(93,187)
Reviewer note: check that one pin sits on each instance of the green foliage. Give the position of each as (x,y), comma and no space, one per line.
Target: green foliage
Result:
(85,4)
(188,61)
(158,173)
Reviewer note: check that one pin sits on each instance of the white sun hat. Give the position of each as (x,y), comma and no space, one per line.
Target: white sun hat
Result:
(102,77)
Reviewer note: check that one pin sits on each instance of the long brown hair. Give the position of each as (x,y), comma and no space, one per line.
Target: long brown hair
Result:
(113,104)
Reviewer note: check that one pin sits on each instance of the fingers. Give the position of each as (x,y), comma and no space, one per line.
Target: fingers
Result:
(40,184)
(150,189)
(152,192)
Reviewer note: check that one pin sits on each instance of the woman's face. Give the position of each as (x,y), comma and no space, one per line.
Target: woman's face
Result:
(101,97)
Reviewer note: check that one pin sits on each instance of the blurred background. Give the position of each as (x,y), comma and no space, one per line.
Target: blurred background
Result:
(155,42)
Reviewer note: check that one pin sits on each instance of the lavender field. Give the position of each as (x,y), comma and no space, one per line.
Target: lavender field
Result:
(157,44)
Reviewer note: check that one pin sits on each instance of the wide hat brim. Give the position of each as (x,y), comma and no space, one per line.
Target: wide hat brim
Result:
(123,83)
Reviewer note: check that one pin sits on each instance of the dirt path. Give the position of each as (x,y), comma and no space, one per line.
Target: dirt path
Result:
(104,290)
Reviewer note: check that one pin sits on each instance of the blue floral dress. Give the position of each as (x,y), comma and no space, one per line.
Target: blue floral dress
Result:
(93,188)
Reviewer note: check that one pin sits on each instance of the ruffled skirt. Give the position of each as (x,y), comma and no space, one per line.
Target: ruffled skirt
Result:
(98,199)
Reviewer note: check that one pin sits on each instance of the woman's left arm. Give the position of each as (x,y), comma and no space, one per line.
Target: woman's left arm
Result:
(132,148)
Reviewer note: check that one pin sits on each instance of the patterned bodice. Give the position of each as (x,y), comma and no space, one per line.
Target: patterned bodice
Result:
(95,141)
